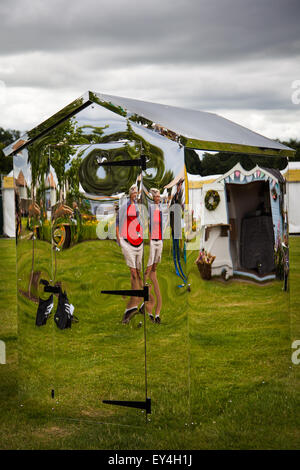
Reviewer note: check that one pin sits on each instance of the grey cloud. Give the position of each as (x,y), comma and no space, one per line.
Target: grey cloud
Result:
(183,31)
(256,84)
(218,54)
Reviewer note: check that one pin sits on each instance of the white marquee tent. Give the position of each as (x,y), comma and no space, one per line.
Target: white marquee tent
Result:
(292,175)
(8,202)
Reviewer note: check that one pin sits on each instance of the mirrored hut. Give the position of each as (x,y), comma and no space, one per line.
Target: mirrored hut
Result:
(130,250)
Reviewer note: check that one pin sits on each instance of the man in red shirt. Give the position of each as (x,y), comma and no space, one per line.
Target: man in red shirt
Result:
(156,246)
(130,238)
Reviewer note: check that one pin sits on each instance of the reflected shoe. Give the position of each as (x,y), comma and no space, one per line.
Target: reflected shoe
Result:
(157,319)
(128,315)
(64,312)
(142,308)
(151,318)
(44,310)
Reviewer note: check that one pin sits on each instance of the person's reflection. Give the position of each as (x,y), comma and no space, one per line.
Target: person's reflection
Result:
(176,199)
(130,239)
(177,203)
(156,246)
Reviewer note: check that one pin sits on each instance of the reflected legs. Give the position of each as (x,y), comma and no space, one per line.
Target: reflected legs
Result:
(151,273)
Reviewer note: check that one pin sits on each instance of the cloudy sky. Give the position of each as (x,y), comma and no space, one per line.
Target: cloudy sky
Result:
(238,58)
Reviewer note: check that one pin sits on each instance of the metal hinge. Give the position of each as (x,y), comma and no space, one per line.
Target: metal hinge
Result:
(142,405)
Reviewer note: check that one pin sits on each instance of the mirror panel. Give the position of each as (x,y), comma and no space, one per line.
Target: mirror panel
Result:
(206,232)
(237,246)
(35,307)
(120,357)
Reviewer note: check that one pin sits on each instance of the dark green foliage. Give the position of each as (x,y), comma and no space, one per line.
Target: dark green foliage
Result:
(192,162)
(57,146)
(7,137)
(216,163)
(141,120)
(294,144)
(118,179)
(221,162)
(109,105)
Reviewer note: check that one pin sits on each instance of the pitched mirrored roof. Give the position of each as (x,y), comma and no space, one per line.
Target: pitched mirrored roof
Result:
(194,125)
(192,128)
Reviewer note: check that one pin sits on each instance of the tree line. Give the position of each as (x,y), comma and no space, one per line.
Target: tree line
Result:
(210,164)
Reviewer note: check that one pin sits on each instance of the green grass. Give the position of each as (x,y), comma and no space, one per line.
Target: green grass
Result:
(231,385)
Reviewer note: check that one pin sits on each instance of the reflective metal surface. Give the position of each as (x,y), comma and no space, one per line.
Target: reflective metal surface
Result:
(193,129)
(117,357)
(239,229)
(35,331)
(205,243)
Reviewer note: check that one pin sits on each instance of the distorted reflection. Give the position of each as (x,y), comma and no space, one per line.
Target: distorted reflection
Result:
(240,221)
(155,218)
(85,226)
(129,235)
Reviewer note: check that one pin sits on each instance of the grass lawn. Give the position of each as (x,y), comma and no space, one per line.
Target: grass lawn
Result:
(220,374)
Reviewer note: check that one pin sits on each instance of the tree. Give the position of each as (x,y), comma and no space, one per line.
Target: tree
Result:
(56,148)
(192,162)
(294,144)
(7,137)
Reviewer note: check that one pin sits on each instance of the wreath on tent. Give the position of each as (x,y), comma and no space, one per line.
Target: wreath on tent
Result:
(212,200)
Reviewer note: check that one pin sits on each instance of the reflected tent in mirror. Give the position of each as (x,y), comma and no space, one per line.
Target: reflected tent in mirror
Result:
(238,269)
